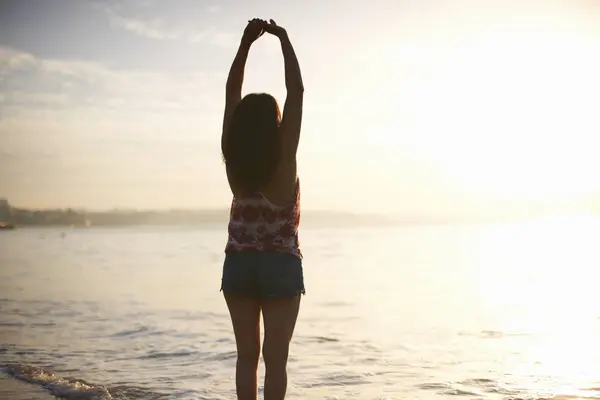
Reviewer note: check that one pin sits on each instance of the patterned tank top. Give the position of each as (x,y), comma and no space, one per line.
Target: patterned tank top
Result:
(256,224)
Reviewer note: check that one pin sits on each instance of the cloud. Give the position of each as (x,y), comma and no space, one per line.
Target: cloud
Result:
(36,85)
(11,60)
(158,29)
(32,98)
(149,29)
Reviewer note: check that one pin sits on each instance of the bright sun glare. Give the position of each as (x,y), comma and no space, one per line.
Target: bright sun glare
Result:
(512,115)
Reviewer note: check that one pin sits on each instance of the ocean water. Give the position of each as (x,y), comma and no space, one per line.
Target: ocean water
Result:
(506,311)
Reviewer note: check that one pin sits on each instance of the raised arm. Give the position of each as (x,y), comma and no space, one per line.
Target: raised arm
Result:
(235,79)
(292,110)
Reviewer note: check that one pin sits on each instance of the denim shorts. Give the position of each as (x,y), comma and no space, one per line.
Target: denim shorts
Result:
(262,275)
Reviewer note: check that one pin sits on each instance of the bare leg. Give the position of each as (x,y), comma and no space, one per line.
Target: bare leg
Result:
(279,318)
(245,316)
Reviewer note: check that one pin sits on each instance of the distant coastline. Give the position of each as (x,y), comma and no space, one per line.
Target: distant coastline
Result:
(22,217)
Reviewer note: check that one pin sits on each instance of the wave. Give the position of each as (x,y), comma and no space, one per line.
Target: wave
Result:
(75,389)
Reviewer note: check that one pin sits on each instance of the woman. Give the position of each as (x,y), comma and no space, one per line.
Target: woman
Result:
(262,271)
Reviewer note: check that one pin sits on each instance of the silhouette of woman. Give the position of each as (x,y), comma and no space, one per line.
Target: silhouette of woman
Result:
(262,271)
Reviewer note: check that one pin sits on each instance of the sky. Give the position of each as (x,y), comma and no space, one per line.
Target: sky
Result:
(412,107)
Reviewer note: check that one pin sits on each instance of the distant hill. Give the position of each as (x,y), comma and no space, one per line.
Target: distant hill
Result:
(310,218)
(71,217)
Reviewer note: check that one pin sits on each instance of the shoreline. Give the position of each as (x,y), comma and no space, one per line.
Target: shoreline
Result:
(15,389)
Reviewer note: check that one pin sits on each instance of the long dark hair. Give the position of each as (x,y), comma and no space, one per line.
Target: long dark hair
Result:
(252,150)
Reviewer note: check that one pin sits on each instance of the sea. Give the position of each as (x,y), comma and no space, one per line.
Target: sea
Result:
(452,311)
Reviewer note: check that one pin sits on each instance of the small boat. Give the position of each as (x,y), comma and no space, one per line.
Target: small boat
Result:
(6,226)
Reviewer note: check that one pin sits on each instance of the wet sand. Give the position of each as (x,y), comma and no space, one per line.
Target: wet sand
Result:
(13,389)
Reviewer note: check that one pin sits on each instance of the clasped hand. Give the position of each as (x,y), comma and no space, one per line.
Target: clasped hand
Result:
(257,27)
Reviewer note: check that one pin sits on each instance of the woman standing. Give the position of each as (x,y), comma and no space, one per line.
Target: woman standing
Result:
(262,271)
